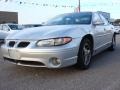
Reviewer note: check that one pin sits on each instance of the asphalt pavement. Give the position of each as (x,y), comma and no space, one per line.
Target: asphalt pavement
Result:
(104,74)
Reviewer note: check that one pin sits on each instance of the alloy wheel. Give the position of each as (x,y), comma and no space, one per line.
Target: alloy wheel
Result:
(87,53)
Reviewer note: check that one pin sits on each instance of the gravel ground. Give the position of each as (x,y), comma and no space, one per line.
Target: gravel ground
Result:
(104,74)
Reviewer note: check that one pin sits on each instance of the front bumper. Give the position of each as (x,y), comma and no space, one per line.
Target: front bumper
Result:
(40,57)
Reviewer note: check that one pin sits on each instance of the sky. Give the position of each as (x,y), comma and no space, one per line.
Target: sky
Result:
(38,11)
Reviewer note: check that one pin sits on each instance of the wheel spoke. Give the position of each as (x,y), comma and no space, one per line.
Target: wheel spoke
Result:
(87,54)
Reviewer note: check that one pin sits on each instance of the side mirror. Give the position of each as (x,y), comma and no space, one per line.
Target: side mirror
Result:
(7,29)
(97,22)
(43,23)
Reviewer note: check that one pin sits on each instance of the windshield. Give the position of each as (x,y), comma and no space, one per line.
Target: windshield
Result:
(69,19)
(16,27)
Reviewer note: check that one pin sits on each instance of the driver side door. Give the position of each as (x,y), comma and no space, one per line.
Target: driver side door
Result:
(99,33)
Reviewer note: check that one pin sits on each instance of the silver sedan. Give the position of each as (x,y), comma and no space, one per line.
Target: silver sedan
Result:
(65,40)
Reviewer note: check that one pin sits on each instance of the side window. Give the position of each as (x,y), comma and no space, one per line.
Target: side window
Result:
(104,20)
(96,17)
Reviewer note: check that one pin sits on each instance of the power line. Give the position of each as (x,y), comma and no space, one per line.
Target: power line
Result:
(39,4)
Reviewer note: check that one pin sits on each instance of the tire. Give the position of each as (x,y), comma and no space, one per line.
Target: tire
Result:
(84,54)
(113,45)
(1,41)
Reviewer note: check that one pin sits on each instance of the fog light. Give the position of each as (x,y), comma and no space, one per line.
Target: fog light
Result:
(55,61)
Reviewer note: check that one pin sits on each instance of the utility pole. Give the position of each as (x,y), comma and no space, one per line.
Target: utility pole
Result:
(79,6)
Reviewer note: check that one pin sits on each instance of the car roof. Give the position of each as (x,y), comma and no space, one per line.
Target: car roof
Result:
(79,12)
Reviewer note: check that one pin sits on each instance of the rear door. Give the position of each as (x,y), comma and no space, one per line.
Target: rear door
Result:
(1,32)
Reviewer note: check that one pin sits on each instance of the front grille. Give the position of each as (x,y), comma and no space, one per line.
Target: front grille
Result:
(24,62)
(31,63)
(23,44)
(11,43)
(19,44)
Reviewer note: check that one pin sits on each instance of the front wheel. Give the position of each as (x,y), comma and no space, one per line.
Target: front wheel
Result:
(84,54)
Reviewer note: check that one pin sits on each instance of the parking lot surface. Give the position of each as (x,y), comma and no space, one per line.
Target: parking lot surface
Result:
(104,74)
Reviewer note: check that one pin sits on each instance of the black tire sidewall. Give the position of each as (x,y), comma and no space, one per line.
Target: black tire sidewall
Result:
(80,61)
(114,40)
(112,47)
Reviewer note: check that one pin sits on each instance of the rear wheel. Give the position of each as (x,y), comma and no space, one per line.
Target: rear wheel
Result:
(113,45)
(84,54)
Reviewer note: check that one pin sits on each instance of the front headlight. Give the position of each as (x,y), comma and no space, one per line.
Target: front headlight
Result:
(54,42)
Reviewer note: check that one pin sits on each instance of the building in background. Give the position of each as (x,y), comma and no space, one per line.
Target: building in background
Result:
(8,17)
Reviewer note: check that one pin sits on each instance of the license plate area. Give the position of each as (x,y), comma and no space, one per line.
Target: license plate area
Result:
(14,54)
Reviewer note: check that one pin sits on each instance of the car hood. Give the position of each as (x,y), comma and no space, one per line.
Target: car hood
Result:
(46,32)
